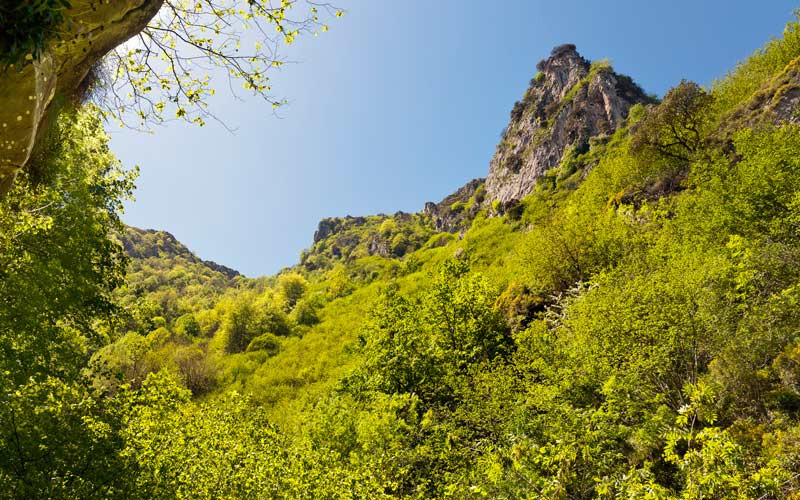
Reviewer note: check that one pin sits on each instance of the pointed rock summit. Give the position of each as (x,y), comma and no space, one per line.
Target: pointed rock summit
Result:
(568,102)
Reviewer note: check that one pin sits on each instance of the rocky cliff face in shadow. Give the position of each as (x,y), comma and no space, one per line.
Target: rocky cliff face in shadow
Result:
(569,101)
(90,30)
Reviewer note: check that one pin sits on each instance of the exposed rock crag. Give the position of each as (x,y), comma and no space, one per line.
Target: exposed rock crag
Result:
(569,101)
(457,210)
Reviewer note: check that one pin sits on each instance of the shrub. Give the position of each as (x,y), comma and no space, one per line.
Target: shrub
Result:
(267,343)
(388,227)
(517,111)
(291,287)
(158,337)
(187,325)
(305,312)
(400,245)
(194,368)
(27,27)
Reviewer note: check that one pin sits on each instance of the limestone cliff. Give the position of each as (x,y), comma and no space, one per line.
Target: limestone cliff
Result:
(456,211)
(569,101)
(90,30)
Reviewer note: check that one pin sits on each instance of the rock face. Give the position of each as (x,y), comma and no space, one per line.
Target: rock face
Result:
(91,29)
(333,225)
(569,101)
(348,238)
(457,210)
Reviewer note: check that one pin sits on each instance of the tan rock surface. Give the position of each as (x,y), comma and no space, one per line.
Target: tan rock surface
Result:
(91,29)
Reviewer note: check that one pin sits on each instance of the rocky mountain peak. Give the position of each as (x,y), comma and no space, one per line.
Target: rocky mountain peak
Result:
(568,102)
(563,70)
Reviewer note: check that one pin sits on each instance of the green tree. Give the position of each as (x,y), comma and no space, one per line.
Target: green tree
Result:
(291,288)
(676,129)
(241,325)
(59,438)
(57,264)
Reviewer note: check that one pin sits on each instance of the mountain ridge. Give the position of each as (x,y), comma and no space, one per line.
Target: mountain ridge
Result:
(570,102)
(165,244)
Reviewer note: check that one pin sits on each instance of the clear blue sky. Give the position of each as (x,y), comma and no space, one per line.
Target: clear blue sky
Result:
(398,104)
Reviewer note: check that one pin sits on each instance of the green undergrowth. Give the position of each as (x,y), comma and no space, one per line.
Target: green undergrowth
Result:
(628,330)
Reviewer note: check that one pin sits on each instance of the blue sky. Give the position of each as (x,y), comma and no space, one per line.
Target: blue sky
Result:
(398,104)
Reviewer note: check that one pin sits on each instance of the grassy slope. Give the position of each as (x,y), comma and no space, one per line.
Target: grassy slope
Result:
(505,250)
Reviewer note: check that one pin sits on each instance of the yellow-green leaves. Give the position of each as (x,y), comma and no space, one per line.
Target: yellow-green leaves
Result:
(159,71)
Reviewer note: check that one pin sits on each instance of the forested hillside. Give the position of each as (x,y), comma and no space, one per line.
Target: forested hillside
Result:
(611,313)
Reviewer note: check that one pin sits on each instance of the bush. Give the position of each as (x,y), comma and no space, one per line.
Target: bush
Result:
(291,287)
(194,368)
(267,343)
(400,245)
(388,227)
(305,312)
(187,325)
(517,111)
(158,337)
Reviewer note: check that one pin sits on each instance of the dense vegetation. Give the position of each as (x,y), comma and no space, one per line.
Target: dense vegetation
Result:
(628,330)
(27,26)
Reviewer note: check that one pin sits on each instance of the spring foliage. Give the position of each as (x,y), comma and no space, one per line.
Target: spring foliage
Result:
(629,330)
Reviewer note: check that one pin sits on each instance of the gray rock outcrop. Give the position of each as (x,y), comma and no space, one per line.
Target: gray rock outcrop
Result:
(569,101)
(455,212)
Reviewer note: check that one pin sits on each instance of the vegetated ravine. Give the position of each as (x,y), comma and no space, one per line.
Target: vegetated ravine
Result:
(611,313)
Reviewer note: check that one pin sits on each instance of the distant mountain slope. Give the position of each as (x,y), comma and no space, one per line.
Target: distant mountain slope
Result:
(166,277)
(146,243)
